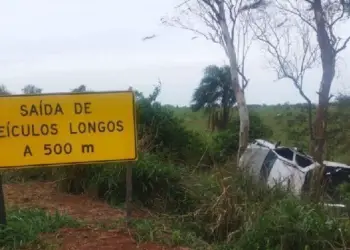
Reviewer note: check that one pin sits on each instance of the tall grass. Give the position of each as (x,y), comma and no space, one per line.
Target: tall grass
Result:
(156,184)
(25,225)
(246,214)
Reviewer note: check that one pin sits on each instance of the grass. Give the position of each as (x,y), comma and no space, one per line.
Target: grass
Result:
(197,121)
(289,125)
(25,226)
(167,232)
(161,229)
(288,224)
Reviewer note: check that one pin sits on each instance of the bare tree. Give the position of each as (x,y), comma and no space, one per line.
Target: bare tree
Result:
(291,49)
(31,89)
(324,17)
(223,22)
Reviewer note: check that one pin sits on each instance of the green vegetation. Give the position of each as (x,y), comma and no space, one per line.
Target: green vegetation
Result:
(25,225)
(187,176)
(215,96)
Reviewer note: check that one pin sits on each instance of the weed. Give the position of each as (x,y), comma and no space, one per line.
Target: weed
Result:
(291,224)
(25,225)
(166,232)
(155,184)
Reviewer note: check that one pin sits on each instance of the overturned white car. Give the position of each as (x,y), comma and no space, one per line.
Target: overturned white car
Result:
(289,167)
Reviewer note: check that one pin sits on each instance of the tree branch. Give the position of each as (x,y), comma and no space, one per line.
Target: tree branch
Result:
(292,9)
(341,48)
(275,34)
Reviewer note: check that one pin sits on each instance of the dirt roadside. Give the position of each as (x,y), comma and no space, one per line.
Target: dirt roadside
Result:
(45,195)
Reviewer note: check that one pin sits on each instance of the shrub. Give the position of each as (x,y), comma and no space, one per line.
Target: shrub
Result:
(244,214)
(225,144)
(292,224)
(227,201)
(167,232)
(155,184)
(167,134)
(27,174)
(338,129)
(24,226)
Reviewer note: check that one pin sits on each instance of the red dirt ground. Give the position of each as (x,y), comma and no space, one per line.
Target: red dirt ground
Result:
(45,195)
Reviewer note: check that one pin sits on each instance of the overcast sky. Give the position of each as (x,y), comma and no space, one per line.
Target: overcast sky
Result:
(58,45)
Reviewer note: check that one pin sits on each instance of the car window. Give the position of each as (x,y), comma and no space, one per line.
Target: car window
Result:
(285,153)
(270,159)
(302,161)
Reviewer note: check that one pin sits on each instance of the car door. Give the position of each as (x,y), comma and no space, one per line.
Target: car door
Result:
(286,173)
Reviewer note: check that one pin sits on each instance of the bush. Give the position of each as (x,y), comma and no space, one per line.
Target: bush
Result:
(236,199)
(167,134)
(225,144)
(155,184)
(338,129)
(27,174)
(24,226)
(290,224)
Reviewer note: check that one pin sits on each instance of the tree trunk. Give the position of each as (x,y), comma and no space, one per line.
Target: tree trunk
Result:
(328,67)
(225,117)
(225,107)
(244,122)
(239,91)
(320,126)
(309,122)
(328,56)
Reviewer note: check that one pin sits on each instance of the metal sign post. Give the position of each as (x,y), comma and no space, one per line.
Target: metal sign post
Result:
(128,183)
(128,195)
(2,205)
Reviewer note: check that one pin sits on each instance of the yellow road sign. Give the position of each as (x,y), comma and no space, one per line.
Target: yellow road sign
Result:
(69,128)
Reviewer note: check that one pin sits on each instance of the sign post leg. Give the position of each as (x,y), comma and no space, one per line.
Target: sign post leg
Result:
(2,205)
(128,195)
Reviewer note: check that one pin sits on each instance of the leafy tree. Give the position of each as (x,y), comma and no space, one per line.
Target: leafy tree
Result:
(215,91)
(3,90)
(81,88)
(31,89)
